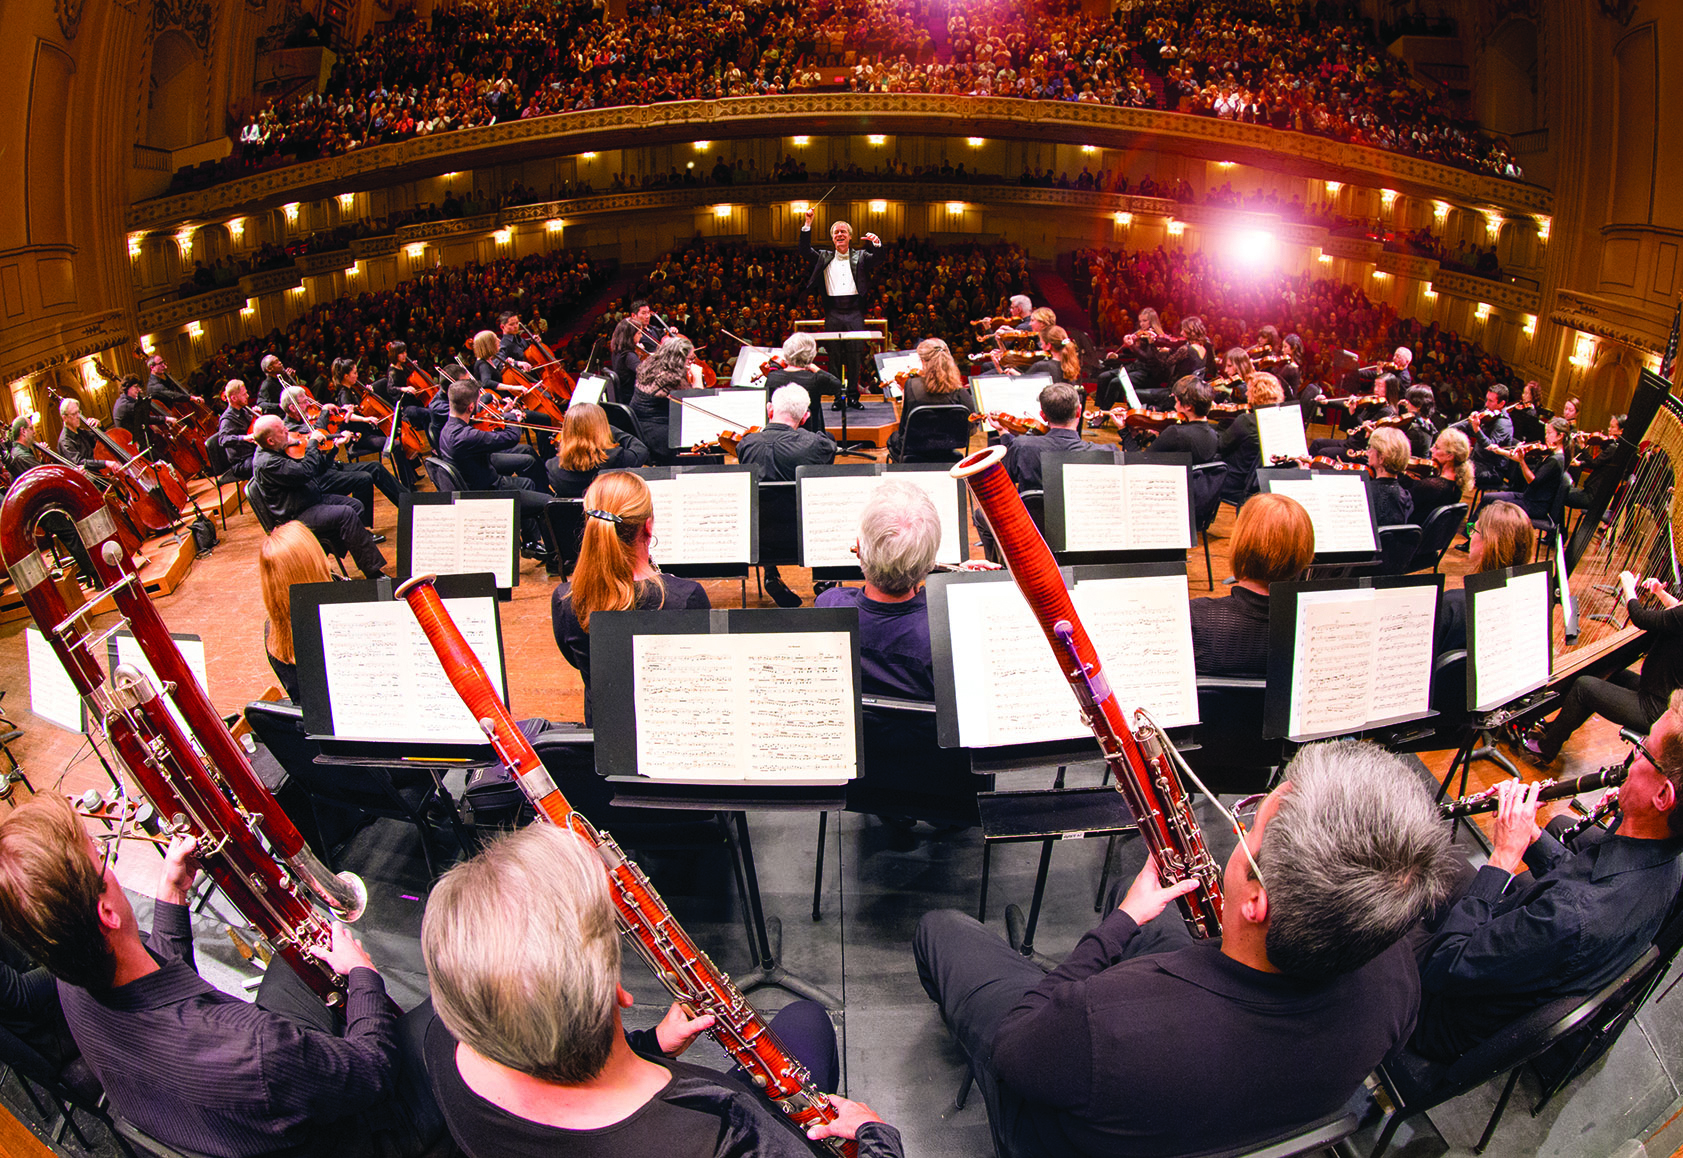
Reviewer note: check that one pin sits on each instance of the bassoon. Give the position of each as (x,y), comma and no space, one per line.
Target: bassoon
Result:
(643,916)
(246,843)
(1138,753)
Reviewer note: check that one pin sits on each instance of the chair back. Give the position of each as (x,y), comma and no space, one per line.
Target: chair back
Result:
(444,475)
(280,728)
(1231,757)
(566,524)
(935,434)
(1398,544)
(1208,478)
(780,541)
(259,506)
(906,772)
(1436,533)
(570,759)
(1035,501)
(146,1144)
(216,456)
(1322,1134)
(622,417)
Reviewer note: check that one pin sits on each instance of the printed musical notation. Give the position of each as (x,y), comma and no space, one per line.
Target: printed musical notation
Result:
(773,707)
(1279,431)
(1363,657)
(463,538)
(1109,506)
(831,506)
(1338,509)
(1508,639)
(384,681)
(1009,688)
(703,517)
(728,409)
(1015,395)
(52,697)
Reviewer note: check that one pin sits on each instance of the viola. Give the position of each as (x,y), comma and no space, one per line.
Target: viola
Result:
(1013,424)
(775,362)
(701,376)
(1593,438)
(1421,467)
(1153,420)
(1318,462)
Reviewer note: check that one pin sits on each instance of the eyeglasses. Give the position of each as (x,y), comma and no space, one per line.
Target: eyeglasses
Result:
(1642,750)
(1244,819)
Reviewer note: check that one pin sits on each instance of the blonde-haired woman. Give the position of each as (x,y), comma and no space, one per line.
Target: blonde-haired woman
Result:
(589,446)
(1451,475)
(1502,537)
(291,554)
(615,572)
(937,383)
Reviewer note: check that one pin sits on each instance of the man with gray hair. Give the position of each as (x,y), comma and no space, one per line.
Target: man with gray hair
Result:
(842,279)
(1273,1026)
(529,1054)
(776,452)
(798,353)
(899,534)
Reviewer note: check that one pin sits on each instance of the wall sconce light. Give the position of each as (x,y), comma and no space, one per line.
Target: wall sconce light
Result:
(879,207)
(1124,219)
(502,236)
(721,210)
(587,156)
(877,139)
(291,211)
(1583,351)
(134,245)
(1387,197)
(416,250)
(955,208)
(196,329)
(236,229)
(1440,211)
(1176,228)
(798,208)
(1326,259)
(1333,187)
(802,140)
(1531,325)
(346,200)
(975,142)
(1543,224)
(703,146)
(1482,312)
(554,225)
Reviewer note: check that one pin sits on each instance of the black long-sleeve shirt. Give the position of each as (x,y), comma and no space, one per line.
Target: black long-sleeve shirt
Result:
(232,430)
(78,445)
(1023,453)
(166,391)
(1196,438)
(1569,926)
(290,485)
(1230,634)
(470,449)
(1105,1055)
(198,1069)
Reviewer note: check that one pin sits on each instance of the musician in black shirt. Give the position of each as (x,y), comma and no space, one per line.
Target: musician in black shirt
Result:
(269,390)
(160,387)
(1273,540)
(798,353)
(1192,435)
(546,1066)
(133,413)
(1546,482)
(233,429)
(76,439)
(1387,458)
(1271,1027)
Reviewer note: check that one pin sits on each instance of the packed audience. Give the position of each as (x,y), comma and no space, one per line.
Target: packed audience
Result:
(753,291)
(1327,315)
(1318,70)
(434,313)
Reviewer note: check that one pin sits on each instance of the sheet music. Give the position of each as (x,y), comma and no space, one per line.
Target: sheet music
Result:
(384,681)
(1008,394)
(1509,639)
(1337,506)
(463,538)
(588,389)
(1279,431)
(733,410)
(1142,628)
(894,361)
(749,359)
(1009,686)
(1137,507)
(831,506)
(192,650)
(704,517)
(1363,656)
(773,707)
(52,697)
(1128,390)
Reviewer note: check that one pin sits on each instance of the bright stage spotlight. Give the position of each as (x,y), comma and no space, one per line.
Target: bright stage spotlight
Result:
(1253,247)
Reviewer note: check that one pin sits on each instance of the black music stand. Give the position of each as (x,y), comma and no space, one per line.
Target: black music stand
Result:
(851,571)
(406,564)
(833,340)
(614,692)
(718,570)
(1057,507)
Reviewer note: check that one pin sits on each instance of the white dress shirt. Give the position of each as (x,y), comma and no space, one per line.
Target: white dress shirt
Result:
(838,276)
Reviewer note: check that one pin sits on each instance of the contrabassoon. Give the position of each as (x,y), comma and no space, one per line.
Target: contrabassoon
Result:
(1137,752)
(643,916)
(246,843)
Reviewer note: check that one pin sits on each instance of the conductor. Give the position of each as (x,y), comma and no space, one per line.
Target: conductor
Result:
(843,277)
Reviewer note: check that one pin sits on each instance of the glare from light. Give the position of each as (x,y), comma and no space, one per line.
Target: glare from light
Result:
(955,207)
(1380,274)
(147,344)
(1583,351)
(1483,311)
(1531,325)
(555,225)
(879,207)
(1493,222)
(1326,259)
(689,164)
(802,140)
(346,200)
(1225,164)
(1333,187)
(877,139)
(502,236)
(297,289)
(975,142)
(1253,247)
(1124,219)
(587,156)
(249,308)
(703,146)
(1440,211)
(352,270)
(1089,148)
(1429,294)
(1387,197)
(196,329)
(1543,224)
(721,210)
(1176,228)
(417,249)
(184,239)
(798,208)
(236,228)
(134,245)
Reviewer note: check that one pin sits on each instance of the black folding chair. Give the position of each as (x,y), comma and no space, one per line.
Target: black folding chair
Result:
(444,475)
(1208,479)
(934,434)
(622,417)
(1398,544)
(1436,534)
(566,524)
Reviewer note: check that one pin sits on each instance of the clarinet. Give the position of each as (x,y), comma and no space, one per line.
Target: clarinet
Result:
(1609,777)
(643,916)
(1138,754)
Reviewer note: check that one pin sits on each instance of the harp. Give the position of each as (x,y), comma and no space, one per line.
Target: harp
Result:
(1628,525)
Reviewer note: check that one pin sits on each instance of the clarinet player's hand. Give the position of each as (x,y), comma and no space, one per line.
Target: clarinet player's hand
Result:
(1149,896)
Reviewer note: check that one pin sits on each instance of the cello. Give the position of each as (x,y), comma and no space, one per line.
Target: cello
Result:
(557,383)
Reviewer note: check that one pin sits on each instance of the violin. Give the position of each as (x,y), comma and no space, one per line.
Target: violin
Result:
(1421,467)
(997,323)
(728,441)
(775,362)
(1380,367)
(1153,420)
(1319,462)
(1013,424)
(1593,438)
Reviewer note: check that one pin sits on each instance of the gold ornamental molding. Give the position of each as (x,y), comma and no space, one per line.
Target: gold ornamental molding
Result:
(1406,265)
(26,352)
(841,114)
(1614,321)
(326,262)
(199,306)
(1497,293)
